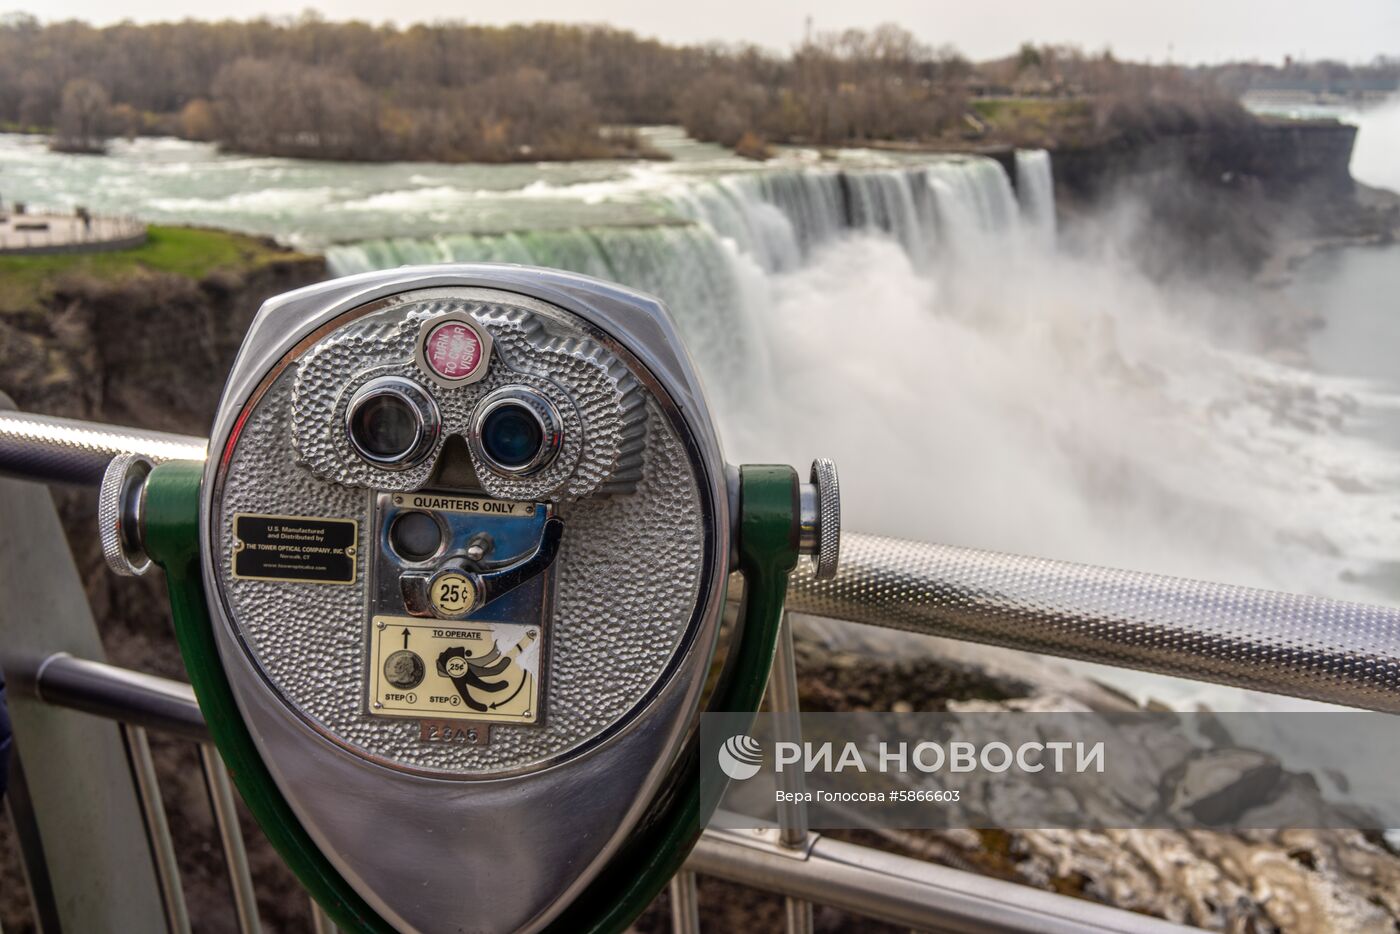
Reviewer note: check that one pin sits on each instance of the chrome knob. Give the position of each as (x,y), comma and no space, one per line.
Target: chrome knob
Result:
(119,521)
(819,523)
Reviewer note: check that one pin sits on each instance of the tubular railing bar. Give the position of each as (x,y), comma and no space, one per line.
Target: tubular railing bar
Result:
(1316,648)
(95,687)
(1310,647)
(923,895)
(50,449)
(905,891)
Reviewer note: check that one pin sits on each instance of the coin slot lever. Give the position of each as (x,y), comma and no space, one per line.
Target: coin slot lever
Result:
(455,590)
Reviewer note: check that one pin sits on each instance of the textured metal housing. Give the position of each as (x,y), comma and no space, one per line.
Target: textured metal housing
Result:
(601,404)
(1326,650)
(509,831)
(628,582)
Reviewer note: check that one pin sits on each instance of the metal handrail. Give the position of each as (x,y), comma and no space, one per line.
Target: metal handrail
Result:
(802,866)
(142,702)
(905,891)
(859,879)
(50,449)
(147,701)
(1302,646)
(1310,647)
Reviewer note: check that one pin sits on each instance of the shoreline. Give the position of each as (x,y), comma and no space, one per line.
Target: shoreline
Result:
(1373,207)
(1280,270)
(993,144)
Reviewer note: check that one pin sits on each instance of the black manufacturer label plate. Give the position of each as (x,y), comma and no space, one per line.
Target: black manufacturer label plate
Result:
(300,549)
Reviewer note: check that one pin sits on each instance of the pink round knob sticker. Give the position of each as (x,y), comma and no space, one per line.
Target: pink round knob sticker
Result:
(453,350)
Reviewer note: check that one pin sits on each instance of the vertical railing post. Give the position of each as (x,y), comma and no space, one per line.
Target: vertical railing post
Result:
(240,879)
(321,922)
(792,814)
(685,904)
(143,770)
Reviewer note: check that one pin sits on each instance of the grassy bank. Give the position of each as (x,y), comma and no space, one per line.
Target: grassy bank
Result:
(188,252)
(1036,121)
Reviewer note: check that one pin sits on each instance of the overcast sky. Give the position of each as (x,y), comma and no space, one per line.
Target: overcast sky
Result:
(1184,30)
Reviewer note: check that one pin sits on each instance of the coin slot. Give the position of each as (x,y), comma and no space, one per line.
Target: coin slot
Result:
(415,536)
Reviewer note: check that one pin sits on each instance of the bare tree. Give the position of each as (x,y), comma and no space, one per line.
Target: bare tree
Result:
(84,118)
(452,91)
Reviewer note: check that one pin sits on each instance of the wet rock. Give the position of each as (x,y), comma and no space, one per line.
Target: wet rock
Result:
(1217,787)
(1246,882)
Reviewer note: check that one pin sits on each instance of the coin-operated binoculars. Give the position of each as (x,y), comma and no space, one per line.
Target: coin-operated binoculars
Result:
(450,584)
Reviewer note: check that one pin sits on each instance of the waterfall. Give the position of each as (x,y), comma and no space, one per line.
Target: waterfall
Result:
(976,383)
(1037,187)
(706,282)
(716,264)
(773,221)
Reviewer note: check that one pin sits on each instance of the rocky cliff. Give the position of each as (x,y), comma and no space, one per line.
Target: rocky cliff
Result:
(1228,201)
(147,348)
(1282,158)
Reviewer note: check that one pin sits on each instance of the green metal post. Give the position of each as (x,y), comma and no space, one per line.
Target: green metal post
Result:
(172,541)
(768,528)
(767,554)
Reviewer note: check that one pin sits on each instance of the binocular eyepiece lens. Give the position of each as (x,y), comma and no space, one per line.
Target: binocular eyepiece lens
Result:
(386,426)
(511,435)
(516,431)
(392,422)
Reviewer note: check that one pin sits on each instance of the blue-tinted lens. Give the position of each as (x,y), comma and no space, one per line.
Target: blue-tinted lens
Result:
(511,435)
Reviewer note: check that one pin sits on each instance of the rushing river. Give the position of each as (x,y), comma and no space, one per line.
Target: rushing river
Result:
(913,318)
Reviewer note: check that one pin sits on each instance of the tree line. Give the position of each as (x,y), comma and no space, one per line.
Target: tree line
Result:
(340,90)
(454,92)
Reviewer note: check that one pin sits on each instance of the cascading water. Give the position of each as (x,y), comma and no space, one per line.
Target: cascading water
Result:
(979,385)
(717,271)
(979,381)
(774,221)
(1037,187)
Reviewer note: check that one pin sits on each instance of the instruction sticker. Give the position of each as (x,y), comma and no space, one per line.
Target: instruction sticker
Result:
(299,549)
(485,671)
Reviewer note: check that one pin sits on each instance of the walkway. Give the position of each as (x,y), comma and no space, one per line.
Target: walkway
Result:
(67,233)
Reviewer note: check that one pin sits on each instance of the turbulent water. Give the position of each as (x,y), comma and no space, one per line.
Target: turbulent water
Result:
(913,317)
(978,384)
